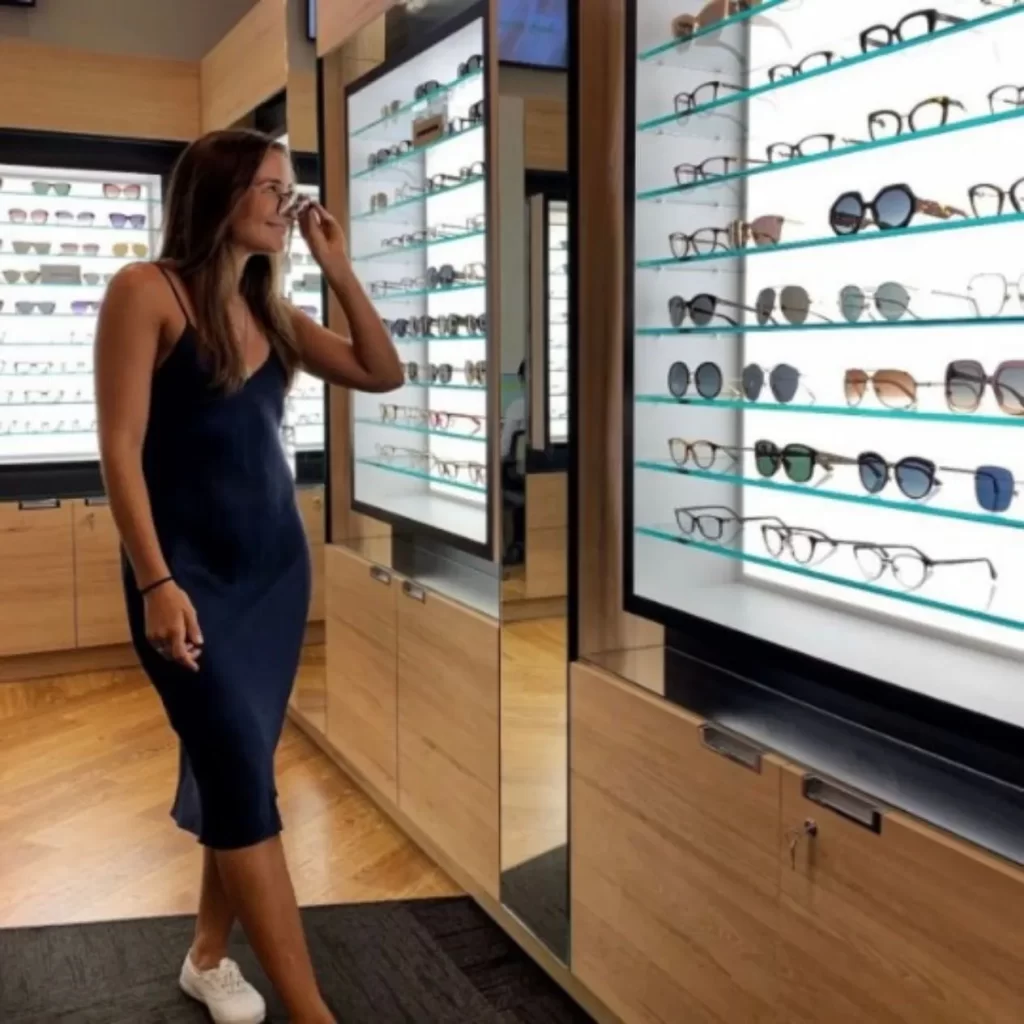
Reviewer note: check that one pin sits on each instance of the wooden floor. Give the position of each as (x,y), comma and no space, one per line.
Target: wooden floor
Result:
(87,769)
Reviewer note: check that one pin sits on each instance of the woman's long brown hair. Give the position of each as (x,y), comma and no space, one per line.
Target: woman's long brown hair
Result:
(209,180)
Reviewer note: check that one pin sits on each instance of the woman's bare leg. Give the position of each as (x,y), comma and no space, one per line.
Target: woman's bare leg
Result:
(216,917)
(258,886)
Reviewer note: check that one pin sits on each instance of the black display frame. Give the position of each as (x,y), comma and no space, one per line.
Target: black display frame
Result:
(968,738)
(479,10)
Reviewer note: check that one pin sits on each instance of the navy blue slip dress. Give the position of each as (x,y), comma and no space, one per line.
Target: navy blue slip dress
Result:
(224,506)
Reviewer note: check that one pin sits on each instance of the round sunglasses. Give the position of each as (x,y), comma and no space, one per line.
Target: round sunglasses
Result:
(783,381)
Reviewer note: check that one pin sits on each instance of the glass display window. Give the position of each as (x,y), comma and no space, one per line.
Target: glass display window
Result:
(418,205)
(824,203)
(64,233)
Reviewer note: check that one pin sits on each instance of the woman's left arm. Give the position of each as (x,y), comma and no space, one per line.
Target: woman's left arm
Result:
(365,361)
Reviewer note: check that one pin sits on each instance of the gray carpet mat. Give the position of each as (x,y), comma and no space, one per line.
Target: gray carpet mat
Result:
(440,961)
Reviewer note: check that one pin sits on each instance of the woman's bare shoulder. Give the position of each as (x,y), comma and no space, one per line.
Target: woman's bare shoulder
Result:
(137,280)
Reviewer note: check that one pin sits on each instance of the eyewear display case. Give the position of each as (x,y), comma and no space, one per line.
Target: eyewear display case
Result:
(421,241)
(64,232)
(556,321)
(825,374)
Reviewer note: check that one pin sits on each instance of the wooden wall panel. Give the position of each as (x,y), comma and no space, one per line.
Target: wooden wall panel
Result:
(58,89)
(547,134)
(339,21)
(301,113)
(248,66)
(600,268)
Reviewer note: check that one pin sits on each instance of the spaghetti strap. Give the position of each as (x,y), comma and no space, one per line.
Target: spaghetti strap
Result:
(174,288)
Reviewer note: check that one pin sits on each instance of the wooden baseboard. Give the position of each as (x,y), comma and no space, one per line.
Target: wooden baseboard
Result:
(507,921)
(67,663)
(533,608)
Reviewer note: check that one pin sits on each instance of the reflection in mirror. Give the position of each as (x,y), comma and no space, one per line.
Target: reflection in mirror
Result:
(535,333)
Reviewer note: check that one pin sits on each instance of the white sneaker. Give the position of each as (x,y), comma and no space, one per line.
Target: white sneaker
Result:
(225,993)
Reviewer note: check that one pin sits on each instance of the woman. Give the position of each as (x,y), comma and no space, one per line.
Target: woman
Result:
(194,356)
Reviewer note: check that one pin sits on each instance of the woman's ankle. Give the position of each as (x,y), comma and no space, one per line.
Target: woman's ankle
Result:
(205,956)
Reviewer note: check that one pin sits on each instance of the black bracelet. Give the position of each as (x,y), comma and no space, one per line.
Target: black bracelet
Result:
(152,586)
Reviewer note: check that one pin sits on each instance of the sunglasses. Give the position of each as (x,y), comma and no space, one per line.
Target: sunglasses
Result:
(893,208)
(476,373)
(932,113)
(25,308)
(125,220)
(687,102)
(81,308)
(895,389)
(29,276)
(446,275)
(424,89)
(812,62)
(701,243)
(113,191)
(912,26)
(994,486)
(23,248)
(17,216)
(891,301)
(123,248)
(438,374)
(378,201)
(73,248)
(474,63)
(703,454)
(701,309)
(67,217)
(783,381)
(58,188)
(382,156)
(966,381)
(793,303)
(797,461)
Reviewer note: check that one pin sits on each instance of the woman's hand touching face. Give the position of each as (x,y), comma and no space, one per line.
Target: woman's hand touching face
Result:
(323,235)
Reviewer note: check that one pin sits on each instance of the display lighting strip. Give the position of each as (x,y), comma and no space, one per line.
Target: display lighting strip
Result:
(833,154)
(454,434)
(963,419)
(820,243)
(445,481)
(665,534)
(831,69)
(811,491)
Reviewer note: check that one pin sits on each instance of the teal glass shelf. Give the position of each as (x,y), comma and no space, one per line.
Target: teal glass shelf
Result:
(911,597)
(416,151)
(718,26)
(397,251)
(871,501)
(454,434)
(839,325)
(384,216)
(831,69)
(419,292)
(414,106)
(852,150)
(440,338)
(869,235)
(449,387)
(72,198)
(963,419)
(418,475)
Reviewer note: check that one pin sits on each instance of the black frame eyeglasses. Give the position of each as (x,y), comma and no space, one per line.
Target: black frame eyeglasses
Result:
(812,62)
(471,64)
(705,521)
(928,114)
(811,145)
(701,309)
(910,26)
(710,169)
(1011,96)
(701,242)
(706,93)
(989,200)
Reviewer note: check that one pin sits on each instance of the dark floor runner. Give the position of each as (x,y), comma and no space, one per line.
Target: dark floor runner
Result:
(411,962)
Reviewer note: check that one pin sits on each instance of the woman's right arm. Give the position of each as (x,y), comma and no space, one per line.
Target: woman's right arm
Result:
(127,344)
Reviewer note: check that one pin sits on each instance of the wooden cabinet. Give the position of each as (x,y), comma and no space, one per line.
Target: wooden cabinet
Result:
(362,666)
(547,530)
(311,508)
(895,921)
(674,862)
(99,593)
(448,728)
(37,595)
(712,884)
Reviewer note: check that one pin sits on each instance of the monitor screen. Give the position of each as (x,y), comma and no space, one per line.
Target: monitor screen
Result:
(534,32)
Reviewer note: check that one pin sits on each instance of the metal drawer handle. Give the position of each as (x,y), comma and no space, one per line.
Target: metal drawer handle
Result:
(38,503)
(97,502)
(842,802)
(416,593)
(726,744)
(381,576)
